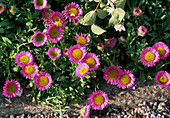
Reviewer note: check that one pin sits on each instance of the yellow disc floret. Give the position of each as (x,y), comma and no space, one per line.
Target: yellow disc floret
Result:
(43,81)
(98,99)
(81,40)
(91,62)
(163,79)
(39,2)
(56,18)
(58,23)
(54,33)
(113,74)
(83,70)
(24,59)
(125,79)
(77,54)
(72,12)
(47,14)
(149,56)
(30,69)
(11,88)
(161,51)
(53,54)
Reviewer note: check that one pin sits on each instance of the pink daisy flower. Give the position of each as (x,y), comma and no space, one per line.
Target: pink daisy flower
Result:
(2,8)
(56,18)
(100,46)
(137,12)
(111,74)
(76,53)
(149,56)
(163,78)
(23,58)
(92,60)
(125,79)
(46,13)
(162,48)
(82,39)
(43,81)
(142,30)
(98,100)
(65,51)
(82,69)
(11,88)
(73,12)
(54,53)
(87,111)
(30,70)
(110,43)
(40,4)
(39,39)
(55,33)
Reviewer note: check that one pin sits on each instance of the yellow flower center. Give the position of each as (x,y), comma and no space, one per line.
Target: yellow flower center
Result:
(54,54)
(58,23)
(0,8)
(161,51)
(54,33)
(98,99)
(56,18)
(125,79)
(30,69)
(72,12)
(47,14)
(163,79)
(149,56)
(39,2)
(81,40)
(43,81)
(39,38)
(90,61)
(83,70)
(24,59)
(11,88)
(113,74)
(77,54)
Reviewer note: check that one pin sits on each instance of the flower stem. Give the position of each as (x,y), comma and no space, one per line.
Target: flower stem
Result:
(98,5)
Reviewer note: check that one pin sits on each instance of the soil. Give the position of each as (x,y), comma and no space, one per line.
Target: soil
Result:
(118,98)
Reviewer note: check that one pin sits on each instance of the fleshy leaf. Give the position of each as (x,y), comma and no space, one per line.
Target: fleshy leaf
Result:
(102,13)
(97,30)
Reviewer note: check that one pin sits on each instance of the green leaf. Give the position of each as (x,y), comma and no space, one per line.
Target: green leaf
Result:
(113,21)
(97,0)
(1,30)
(120,3)
(119,13)
(102,13)
(4,23)
(89,18)
(6,40)
(1,55)
(97,30)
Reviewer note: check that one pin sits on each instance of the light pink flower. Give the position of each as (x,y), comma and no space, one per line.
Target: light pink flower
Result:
(39,39)
(82,39)
(137,12)
(40,4)
(163,78)
(54,53)
(82,69)
(142,30)
(2,8)
(110,43)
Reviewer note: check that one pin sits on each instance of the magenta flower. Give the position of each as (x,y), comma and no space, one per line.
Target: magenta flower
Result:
(54,53)
(92,60)
(46,14)
(24,58)
(39,39)
(56,18)
(82,69)
(82,39)
(87,111)
(43,81)
(142,30)
(76,53)
(65,51)
(98,100)
(73,12)
(137,12)
(163,78)
(30,70)
(55,33)
(2,8)
(11,88)
(40,4)
(111,74)
(110,43)
(162,48)
(149,56)
(125,79)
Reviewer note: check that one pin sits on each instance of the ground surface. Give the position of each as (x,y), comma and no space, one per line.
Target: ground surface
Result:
(118,99)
